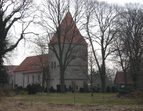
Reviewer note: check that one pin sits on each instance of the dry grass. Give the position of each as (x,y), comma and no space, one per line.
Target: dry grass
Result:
(39,103)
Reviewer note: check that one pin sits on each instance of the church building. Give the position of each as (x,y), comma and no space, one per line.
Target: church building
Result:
(74,55)
(68,46)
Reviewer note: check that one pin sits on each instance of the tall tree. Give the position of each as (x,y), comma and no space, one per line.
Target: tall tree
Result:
(130,30)
(63,32)
(100,23)
(92,71)
(42,50)
(11,11)
(121,58)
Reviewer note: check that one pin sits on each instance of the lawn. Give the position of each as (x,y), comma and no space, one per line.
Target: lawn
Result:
(70,102)
(81,99)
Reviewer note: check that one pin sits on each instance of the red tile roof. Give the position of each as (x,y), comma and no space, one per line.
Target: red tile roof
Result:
(120,78)
(69,32)
(33,64)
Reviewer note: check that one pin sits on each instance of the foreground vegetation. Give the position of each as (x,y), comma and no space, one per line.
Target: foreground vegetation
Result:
(70,102)
(81,98)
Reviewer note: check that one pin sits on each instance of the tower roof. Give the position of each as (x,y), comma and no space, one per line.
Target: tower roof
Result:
(69,32)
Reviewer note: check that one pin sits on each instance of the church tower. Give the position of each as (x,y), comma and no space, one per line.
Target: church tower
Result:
(72,46)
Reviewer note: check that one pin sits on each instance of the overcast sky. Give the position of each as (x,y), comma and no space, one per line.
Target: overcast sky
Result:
(21,53)
(122,2)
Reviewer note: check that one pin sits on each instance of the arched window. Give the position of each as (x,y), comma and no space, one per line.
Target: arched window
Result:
(53,65)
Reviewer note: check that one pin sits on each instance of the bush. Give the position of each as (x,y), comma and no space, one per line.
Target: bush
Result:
(124,91)
(81,90)
(52,90)
(6,92)
(34,88)
(19,90)
(108,89)
(2,93)
(3,77)
(137,94)
(70,89)
(59,88)
(113,89)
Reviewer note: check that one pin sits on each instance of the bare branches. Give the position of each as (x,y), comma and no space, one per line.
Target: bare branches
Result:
(130,30)
(100,24)
(11,11)
(23,33)
(58,21)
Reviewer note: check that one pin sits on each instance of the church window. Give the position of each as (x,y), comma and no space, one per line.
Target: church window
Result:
(39,78)
(51,65)
(54,65)
(28,78)
(33,79)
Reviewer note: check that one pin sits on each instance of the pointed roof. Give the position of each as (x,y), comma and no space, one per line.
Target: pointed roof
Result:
(120,78)
(69,32)
(32,64)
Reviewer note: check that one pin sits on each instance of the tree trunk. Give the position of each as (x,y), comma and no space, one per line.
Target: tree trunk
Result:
(103,68)
(135,69)
(3,74)
(91,83)
(62,80)
(103,77)
(125,76)
(103,83)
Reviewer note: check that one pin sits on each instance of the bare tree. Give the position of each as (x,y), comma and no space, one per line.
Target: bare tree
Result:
(41,50)
(130,30)
(11,11)
(121,58)
(62,32)
(100,23)
(91,79)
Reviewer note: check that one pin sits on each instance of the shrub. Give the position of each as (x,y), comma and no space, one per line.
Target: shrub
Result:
(124,91)
(137,94)
(59,88)
(3,76)
(114,89)
(2,93)
(6,92)
(34,88)
(70,89)
(108,89)
(52,89)
(19,89)
(81,90)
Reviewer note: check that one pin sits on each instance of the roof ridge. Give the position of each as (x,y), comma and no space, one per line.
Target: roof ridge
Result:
(28,63)
(69,32)
(35,55)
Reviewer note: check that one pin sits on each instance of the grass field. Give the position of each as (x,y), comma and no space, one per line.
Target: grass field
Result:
(81,98)
(71,102)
